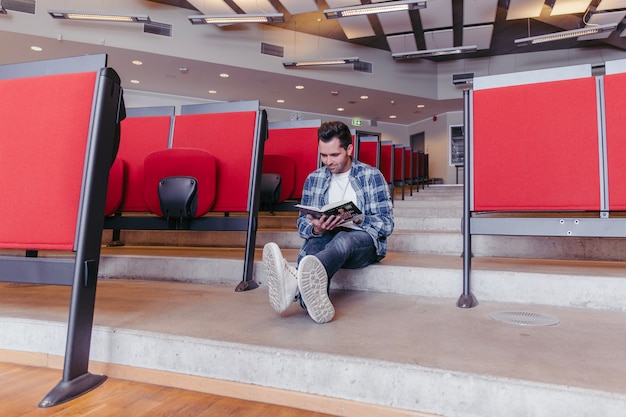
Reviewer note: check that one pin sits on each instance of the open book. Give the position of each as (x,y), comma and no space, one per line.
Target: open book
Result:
(346,209)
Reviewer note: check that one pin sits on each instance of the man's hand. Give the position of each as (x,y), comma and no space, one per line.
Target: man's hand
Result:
(324,223)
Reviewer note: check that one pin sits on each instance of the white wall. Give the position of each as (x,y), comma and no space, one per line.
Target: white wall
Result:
(437,145)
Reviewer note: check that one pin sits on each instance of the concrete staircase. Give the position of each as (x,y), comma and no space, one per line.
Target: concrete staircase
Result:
(424,258)
(398,346)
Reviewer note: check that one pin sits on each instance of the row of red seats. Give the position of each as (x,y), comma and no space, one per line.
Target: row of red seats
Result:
(215,143)
(400,165)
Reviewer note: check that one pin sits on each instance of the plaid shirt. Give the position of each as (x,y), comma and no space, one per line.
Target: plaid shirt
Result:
(372,197)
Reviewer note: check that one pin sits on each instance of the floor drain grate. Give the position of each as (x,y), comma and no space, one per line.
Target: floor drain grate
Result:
(523,318)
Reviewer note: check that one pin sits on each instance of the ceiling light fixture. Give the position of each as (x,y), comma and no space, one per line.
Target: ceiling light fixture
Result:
(124,18)
(320,62)
(435,52)
(225,19)
(566,34)
(374,8)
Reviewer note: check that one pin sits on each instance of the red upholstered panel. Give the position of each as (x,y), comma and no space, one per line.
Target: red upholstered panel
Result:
(398,172)
(615,100)
(286,168)
(300,144)
(408,156)
(229,137)
(186,162)
(416,165)
(367,153)
(386,156)
(115,189)
(536,147)
(139,137)
(45,126)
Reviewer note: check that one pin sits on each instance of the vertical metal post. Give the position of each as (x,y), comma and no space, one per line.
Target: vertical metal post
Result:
(467,299)
(261,133)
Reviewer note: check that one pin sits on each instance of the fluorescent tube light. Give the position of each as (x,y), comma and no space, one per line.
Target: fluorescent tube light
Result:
(224,19)
(435,52)
(320,62)
(374,8)
(73,15)
(588,30)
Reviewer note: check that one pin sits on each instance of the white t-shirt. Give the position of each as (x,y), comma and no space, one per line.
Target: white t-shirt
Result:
(340,188)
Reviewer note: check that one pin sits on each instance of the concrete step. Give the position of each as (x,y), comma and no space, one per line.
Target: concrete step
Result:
(383,355)
(433,242)
(565,283)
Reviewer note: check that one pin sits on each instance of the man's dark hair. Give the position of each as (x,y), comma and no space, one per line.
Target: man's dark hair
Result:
(329,130)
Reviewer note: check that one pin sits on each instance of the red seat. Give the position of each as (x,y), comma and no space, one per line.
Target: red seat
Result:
(115,188)
(180,162)
(286,168)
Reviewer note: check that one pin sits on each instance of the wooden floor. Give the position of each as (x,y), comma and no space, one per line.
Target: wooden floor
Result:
(23,387)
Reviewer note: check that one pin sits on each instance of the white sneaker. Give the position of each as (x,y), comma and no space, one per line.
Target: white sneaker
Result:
(313,286)
(281,278)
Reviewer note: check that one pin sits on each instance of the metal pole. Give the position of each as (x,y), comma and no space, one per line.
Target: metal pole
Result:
(467,299)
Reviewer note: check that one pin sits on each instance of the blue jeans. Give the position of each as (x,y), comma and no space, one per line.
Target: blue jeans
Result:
(342,249)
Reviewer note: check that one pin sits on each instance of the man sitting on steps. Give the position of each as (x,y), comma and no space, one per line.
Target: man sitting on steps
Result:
(329,246)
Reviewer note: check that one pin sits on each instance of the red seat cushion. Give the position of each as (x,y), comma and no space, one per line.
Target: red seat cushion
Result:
(115,189)
(286,168)
(180,162)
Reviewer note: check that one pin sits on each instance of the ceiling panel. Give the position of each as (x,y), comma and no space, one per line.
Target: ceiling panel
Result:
(438,39)
(402,43)
(333,4)
(299,6)
(478,35)
(256,6)
(211,7)
(479,11)
(395,22)
(603,19)
(437,14)
(606,18)
(611,5)
(356,26)
(524,9)
(569,6)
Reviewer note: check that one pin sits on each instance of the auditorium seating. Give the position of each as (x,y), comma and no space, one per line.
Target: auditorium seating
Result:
(552,165)
(368,150)
(291,152)
(386,164)
(192,171)
(399,167)
(408,168)
(60,122)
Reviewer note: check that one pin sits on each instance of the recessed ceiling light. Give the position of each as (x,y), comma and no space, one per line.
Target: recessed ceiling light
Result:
(212,91)
(340,109)
(134,81)
(364,97)
(36,48)
(280,100)
(137,62)
(224,75)
(299,87)
(184,70)
(393,116)
(421,106)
